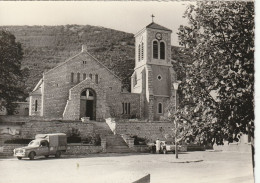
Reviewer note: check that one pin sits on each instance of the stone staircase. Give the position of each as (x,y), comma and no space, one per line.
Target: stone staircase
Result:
(114,143)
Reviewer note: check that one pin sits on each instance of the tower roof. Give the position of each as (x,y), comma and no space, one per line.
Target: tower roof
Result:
(157,26)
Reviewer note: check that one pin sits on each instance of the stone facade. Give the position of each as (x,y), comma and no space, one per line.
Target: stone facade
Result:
(59,93)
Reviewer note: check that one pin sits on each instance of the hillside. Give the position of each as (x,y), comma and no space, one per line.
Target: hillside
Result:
(46,46)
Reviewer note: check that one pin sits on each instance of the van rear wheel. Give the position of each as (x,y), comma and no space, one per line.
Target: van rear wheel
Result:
(58,154)
(19,158)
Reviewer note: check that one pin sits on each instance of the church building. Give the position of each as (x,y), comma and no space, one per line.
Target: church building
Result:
(83,87)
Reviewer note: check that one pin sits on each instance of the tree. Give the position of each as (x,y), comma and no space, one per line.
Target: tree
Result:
(217,93)
(11,75)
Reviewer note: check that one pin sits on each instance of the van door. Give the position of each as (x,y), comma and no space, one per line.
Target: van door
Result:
(44,148)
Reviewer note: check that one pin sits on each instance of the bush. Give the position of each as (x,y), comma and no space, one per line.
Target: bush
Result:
(139,140)
(92,139)
(73,139)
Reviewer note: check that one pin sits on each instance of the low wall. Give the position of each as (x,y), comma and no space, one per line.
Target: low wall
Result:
(7,150)
(30,129)
(141,148)
(148,130)
(235,147)
(72,149)
(82,149)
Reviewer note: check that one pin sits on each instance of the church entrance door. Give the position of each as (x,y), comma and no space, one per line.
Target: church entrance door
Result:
(88,104)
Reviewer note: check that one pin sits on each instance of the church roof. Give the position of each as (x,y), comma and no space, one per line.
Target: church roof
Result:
(79,54)
(157,26)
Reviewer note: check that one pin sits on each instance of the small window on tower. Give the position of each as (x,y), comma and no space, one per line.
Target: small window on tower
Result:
(84,76)
(90,76)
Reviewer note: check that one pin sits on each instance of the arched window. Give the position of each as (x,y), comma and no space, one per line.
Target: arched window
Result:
(142,51)
(139,52)
(162,50)
(36,105)
(72,77)
(155,49)
(160,108)
(78,77)
(90,76)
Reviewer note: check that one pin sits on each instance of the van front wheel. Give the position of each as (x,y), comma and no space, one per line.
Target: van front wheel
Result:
(58,154)
(31,155)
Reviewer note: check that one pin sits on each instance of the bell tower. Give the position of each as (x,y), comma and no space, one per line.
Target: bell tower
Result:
(153,74)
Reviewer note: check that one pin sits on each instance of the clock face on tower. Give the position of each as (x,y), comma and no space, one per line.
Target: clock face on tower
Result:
(158,35)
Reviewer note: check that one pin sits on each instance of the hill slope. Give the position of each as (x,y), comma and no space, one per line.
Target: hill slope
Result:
(46,46)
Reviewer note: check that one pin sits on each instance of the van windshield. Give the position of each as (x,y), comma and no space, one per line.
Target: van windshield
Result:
(34,143)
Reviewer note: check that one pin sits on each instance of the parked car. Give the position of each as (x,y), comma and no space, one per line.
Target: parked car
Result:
(169,146)
(43,145)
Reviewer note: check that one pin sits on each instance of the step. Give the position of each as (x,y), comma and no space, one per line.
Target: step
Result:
(118,150)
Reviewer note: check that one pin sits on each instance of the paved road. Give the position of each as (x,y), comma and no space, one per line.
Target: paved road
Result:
(216,167)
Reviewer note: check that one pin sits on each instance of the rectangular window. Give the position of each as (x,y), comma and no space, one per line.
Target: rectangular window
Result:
(72,77)
(123,107)
(128,108)
(36,105)
(78,77)
(160,108)
(96,79)
(84,76)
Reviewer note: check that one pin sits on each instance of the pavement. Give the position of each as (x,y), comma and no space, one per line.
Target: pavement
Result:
(195,167)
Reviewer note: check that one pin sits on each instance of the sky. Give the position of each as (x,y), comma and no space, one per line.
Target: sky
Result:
(127,16)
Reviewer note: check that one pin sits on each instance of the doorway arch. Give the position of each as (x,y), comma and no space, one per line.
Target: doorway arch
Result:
(88,103)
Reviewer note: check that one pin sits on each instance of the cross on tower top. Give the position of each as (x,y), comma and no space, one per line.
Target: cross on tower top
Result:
(152,17)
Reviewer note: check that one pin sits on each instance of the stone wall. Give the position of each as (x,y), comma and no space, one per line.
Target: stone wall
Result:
(115,103)
(35,111)
(82,149)
(30,129)
(236,147)
(149,130)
